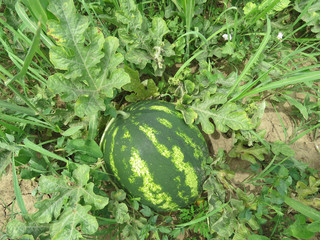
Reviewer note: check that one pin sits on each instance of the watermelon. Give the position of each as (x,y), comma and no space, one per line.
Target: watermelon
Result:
(154,155)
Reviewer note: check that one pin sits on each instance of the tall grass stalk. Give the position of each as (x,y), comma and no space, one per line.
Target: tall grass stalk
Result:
(32,50)
(186,7)
(37,10)
(41,150)
(17,191)
(309,212)
(32,25)
(253,59)
(301,78)
(266,6)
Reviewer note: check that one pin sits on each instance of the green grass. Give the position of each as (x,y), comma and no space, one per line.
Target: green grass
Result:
(58,94)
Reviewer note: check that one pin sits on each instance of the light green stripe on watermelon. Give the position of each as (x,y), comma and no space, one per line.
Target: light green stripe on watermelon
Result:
(191,176)
(149,188)
(123,148)
(166,110)
(165,122)
(151,134)
(161,108)
(111,159)
(197,151)
(195,128)
(126,134)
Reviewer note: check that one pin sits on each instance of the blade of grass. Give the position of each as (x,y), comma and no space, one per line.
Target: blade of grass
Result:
(222,29)
(17,191)
(281,122)
(228,9)
(116,4)
(253,59)
(203,38)
(192,222)
(37,10)
(306,77)
(188,10)
(26,100)
(96,16)
(302,208)
(34,73)
(11,127)
(38,123)
(20,35)
(41,150)
(264,11)
(31,25)
(290,34)
(264,172)
(106,221)
(245,88)
(305,10)
(17,108)
(32,50)
(4,72)
(187,63)
(304,133)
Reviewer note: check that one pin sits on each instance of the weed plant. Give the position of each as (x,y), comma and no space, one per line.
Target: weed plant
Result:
(68,67)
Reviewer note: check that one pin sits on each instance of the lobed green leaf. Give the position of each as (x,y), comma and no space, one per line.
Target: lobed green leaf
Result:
(89,61)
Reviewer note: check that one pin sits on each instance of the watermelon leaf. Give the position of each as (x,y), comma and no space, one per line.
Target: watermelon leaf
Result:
(120,212)
(64,207)
(230,115)
(140,90)
(249,154)
(188,113)
(70,219)
(20,230)
(143,39)
(88,60)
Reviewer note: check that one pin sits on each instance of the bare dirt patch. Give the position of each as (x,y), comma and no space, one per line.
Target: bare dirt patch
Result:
(306,148)
(8,203)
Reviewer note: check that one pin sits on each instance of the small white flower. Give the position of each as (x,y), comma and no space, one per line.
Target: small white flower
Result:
(280,35)
(227,37)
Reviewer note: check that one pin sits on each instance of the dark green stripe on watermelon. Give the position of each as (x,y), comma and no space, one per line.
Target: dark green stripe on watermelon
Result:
(154,155)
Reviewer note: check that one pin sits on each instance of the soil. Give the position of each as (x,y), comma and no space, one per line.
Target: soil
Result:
(8,203)
(307,150)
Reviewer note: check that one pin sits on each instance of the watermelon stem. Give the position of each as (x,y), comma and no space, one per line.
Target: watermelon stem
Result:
(125,115)
(105,131)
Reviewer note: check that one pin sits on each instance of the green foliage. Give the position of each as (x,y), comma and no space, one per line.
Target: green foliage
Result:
(96,72)
(141,90)
(194,213)
(201,100)
(249,153)
(68,207)
(301,230)
(142,39)
(221,63)
(310,13)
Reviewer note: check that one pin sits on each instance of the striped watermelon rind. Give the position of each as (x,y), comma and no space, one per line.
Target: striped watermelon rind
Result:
(155,155)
